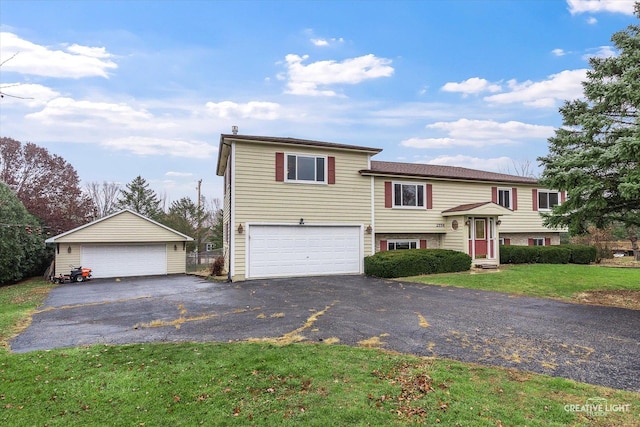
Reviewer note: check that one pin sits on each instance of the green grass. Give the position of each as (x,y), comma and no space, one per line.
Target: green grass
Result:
(541,280)
(266,384)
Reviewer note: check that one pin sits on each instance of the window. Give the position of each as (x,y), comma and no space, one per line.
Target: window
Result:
(394,245)
(504,197)
(408,195)
(501,241)
(210,246)
(537,242)
(547,199)
(306,168)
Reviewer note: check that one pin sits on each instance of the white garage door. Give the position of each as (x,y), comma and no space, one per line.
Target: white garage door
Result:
(125,260)
(281,251)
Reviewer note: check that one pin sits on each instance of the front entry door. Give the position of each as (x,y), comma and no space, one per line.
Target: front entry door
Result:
(480,237)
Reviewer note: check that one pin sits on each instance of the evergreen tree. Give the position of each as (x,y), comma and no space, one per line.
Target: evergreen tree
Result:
(595,155)
(140,198)
(22,248)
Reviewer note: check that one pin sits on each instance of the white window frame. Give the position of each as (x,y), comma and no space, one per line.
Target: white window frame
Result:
(501,241)
(209,246)
(305,181)
(510,191)
(417,185)
(547,192)
(395,242)
(539,240)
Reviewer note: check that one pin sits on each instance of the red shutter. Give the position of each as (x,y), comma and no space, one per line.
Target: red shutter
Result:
(547,241)
(429,197)
(563,196)
(534,194)
(423,244)
(331,167)
(383,245)
(531,240)
(388,195)
(280,167)
(507,242)
(494,194)
(514,196)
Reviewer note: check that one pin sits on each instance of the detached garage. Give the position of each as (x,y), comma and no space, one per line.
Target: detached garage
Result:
(120,245)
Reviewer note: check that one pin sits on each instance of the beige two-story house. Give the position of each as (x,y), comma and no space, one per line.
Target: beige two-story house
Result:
(295,207)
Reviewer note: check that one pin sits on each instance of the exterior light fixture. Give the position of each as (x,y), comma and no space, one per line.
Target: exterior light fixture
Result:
(498,222)
(369,229)
(301,221)
(467,222)
(69,250)
(240,229)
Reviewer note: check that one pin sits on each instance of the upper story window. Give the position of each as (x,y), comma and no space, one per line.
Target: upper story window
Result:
(306,168)
(548,199)
(408,195)
(504,197)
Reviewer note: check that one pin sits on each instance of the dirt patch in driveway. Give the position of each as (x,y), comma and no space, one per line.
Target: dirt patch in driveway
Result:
(620,298)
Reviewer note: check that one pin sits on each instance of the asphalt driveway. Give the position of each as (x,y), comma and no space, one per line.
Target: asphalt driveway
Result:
(593,344)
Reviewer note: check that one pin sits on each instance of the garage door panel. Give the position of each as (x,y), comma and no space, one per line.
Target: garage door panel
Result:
(125,260)
(276,251)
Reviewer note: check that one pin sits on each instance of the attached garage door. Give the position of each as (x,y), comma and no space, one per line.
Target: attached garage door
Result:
(281,251)
(125,260)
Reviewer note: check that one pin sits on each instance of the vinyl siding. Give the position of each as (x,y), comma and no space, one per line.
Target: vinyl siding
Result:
(446,195)
(455,239)
(121,228)
(259,198)
(176,258)
(64,259)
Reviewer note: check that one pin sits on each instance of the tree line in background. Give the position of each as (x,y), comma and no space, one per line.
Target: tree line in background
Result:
(41,196)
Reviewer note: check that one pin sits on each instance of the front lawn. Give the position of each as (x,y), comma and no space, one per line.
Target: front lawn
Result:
(578,283)
(266,384)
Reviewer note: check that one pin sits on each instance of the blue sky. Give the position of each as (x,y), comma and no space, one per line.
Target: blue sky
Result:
(127,88)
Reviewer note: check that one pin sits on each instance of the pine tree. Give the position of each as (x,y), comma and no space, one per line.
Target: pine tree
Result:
(140,198)
(595,155)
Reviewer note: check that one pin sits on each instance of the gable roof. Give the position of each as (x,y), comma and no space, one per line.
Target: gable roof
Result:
(443,172)
(223,150)
(177,235)
(481,208)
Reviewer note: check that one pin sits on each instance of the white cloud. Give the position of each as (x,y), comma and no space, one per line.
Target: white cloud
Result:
(543,94)
(479,133)
(89,114)
(595,6)
(492,164)
(591,20)
(327,42)
(179,174)
(559,52)
(253,109)
(146,146)
(28,94)
(307,79)
(30,58)
(473,85)
(600,52)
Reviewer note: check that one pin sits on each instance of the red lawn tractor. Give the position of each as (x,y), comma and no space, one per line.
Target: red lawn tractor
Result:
(79,274)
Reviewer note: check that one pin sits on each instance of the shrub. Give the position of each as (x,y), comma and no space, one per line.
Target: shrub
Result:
(582,254)
(413,262)
(556,254)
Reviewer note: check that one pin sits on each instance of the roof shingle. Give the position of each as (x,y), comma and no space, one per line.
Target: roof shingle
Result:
(445,172)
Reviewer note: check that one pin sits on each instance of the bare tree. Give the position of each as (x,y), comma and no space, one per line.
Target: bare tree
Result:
(104,196)
(5,86)
(521,168)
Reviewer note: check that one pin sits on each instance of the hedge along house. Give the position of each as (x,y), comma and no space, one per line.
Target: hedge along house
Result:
(120,245)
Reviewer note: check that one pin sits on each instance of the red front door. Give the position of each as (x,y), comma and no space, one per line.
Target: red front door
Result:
(480,237)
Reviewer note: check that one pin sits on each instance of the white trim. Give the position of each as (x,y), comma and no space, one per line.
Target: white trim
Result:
(510,190)
(417,207)
(247,268)
(232,214)
(544,241)
(303,181)
(396,241)
(373,214)
(54,238)
(548,192)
